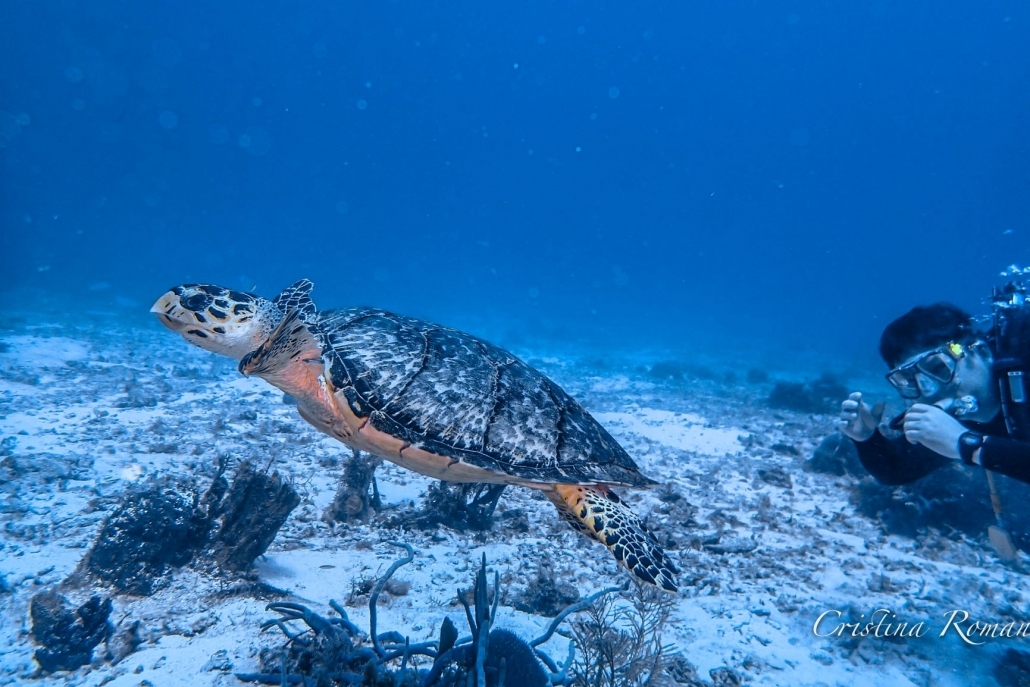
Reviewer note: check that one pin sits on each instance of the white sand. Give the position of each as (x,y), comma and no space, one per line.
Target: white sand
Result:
(799,551)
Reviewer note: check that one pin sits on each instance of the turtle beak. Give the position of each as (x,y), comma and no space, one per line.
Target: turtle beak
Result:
(165,307)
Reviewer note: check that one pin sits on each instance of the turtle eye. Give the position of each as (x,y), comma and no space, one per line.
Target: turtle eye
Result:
(196,302)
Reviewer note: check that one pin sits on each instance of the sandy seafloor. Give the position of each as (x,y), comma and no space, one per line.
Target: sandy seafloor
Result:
(91,405)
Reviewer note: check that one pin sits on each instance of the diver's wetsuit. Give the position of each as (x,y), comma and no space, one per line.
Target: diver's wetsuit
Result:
(898,461)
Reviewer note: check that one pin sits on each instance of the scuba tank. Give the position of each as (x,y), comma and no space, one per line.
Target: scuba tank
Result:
(1010,336)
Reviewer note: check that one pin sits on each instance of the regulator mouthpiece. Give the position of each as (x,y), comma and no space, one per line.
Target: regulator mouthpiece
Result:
(965,405)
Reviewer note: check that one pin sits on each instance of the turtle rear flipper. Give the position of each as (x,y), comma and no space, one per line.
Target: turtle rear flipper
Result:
(291,342)
(599,513)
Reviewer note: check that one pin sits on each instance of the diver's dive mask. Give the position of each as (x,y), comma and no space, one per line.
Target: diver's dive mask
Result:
(926,374)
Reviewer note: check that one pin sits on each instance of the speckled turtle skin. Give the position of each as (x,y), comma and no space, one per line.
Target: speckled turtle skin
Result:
(452,394)
(430,399)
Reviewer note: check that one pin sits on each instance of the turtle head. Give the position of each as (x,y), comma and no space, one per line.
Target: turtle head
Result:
(217,319)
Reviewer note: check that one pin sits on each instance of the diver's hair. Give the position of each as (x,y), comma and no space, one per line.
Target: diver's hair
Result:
(922,328)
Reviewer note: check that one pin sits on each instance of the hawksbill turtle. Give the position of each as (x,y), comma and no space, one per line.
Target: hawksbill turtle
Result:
(431,399)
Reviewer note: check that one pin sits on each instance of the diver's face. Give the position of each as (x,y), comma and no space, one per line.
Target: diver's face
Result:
(971,377)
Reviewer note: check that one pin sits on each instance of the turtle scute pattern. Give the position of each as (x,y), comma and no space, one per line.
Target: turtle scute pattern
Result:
(453,394)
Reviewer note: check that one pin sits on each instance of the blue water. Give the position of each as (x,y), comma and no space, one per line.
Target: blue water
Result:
(664,174)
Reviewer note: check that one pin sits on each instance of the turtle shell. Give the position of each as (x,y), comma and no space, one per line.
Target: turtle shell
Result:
(454,395)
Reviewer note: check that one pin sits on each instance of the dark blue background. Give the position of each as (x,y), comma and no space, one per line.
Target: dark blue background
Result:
(790,173)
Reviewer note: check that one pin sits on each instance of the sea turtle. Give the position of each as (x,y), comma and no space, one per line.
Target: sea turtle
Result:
(431,399)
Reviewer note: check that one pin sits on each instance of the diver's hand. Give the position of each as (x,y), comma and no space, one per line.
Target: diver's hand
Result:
(857,419)
(933,428)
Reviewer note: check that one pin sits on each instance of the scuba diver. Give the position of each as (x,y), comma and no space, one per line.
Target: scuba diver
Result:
(967,393)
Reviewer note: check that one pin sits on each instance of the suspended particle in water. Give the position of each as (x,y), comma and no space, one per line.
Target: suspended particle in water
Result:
(9,128)
(218,134)
(166,52)
(534,292)
(255,141)
(78,104)
(168,119)
(799,136)
(581,30)
(342,207)
(73,74)
(362,104)
(613,92)
(578,149)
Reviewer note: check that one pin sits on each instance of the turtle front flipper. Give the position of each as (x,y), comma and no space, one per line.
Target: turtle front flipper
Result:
(599,513)
(297,297)
(290,344)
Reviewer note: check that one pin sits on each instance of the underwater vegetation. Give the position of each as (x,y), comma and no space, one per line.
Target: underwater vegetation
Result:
(460,507)
(821,395)
(1013,669)
(622,646)
(950,501)
(836,455)
(163,527)
(354,501)
(153,531)
(67,636)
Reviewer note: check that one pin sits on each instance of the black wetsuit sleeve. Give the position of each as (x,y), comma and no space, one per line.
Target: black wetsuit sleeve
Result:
(1007,457)
(897,461)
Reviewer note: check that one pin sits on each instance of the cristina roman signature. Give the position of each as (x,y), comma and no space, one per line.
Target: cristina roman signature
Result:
(885,623)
